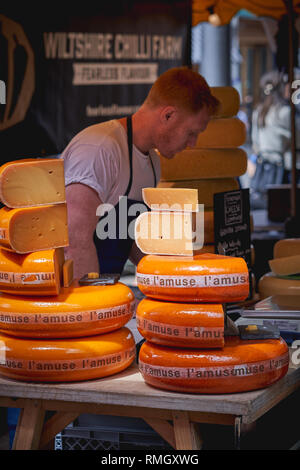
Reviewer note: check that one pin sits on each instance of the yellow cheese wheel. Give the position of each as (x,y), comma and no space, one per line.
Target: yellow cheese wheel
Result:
(66,360)
(229,99)
(286,247)
(77,311)
(205,277)
(181,324)
(286,265)
(203,163)
(270,284)
(34,228)
(206,188)
(223,133)
(240,366)
(32,182)
(36,273)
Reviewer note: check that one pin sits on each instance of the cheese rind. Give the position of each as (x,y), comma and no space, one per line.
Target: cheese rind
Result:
(285,266)
(229,99)
(37,273)
(223,133)
(199,163)
(67,360)
(169,233)
(206,188)
(77,311)
(286,247)
(270,284)
(32,182)
(24,230)
(171,199)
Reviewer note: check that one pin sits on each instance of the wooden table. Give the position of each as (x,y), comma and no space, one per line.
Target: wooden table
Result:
(174,416)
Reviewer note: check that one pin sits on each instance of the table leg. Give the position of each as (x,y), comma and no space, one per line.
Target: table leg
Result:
(29,426)
(187,436)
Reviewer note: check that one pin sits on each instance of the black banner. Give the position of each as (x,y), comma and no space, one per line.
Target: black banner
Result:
(65,70)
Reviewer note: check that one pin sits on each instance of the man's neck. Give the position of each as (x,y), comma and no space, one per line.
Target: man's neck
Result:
(141,131)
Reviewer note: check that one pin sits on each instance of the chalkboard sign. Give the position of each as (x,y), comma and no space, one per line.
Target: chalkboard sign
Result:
(232,224)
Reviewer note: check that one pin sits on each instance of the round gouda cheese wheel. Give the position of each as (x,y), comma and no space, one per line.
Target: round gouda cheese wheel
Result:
(181,324)
(229,99)
(270,284)
(223,133)
(66,360)
(206,277)
(242,365)
(77,311)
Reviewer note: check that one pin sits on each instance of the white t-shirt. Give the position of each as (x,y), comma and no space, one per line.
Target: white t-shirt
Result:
(98,157)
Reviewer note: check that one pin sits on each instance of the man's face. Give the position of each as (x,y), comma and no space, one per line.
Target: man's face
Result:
(181,131)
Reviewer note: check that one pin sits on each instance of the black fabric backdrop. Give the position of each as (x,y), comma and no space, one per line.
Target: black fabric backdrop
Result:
(66,70)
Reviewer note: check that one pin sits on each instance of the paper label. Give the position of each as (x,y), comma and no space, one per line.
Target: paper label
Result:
(27,278)
(55,318)
(215,372)
(186,281)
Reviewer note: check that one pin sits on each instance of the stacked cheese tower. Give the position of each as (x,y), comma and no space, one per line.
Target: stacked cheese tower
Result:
(215,163)
(182,315)
(52,328)
(284,276)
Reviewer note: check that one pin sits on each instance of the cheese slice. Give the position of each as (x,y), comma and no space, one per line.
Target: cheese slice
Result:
(171,199)
(198,163)
(169,233)
(30,229)
(68,273)
(285,266)
(229,99)
(37,273)
(286,247)
(32,182)
(206,188)
(223,133)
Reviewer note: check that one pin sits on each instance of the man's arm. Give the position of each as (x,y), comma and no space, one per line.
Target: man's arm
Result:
(82,203)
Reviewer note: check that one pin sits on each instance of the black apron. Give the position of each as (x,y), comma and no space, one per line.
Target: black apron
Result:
(114,252)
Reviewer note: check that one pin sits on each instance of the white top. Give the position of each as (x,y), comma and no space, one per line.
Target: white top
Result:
(98,157)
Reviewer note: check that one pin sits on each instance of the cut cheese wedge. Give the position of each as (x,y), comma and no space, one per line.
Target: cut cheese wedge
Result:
(34,228)
(285,266)
(68,273)
(171,199)
(240,366)
(77,311)
(181,324)
(205,277)
(223,133)
(229,99)
(37,273)
(206,188)
(169,233)
(66,360)
(32,182)
(271,284)
(286,247)
(198,163)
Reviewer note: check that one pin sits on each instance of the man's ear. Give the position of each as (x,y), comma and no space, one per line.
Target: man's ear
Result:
(167,114)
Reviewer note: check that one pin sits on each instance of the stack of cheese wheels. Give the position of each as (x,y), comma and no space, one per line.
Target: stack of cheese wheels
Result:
(284,276)
(182,314)
(52,328)
(215,163)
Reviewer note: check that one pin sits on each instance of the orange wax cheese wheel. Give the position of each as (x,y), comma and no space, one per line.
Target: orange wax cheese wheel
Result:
(77,311)
(34,228)
(242,365)
(181,324)
(169,233)
(36,273)
(66,360)
(206,188)
(205,277)
(32,182)
(229,99)
(286,247)
(270,284)
(223,133)
(200,163)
